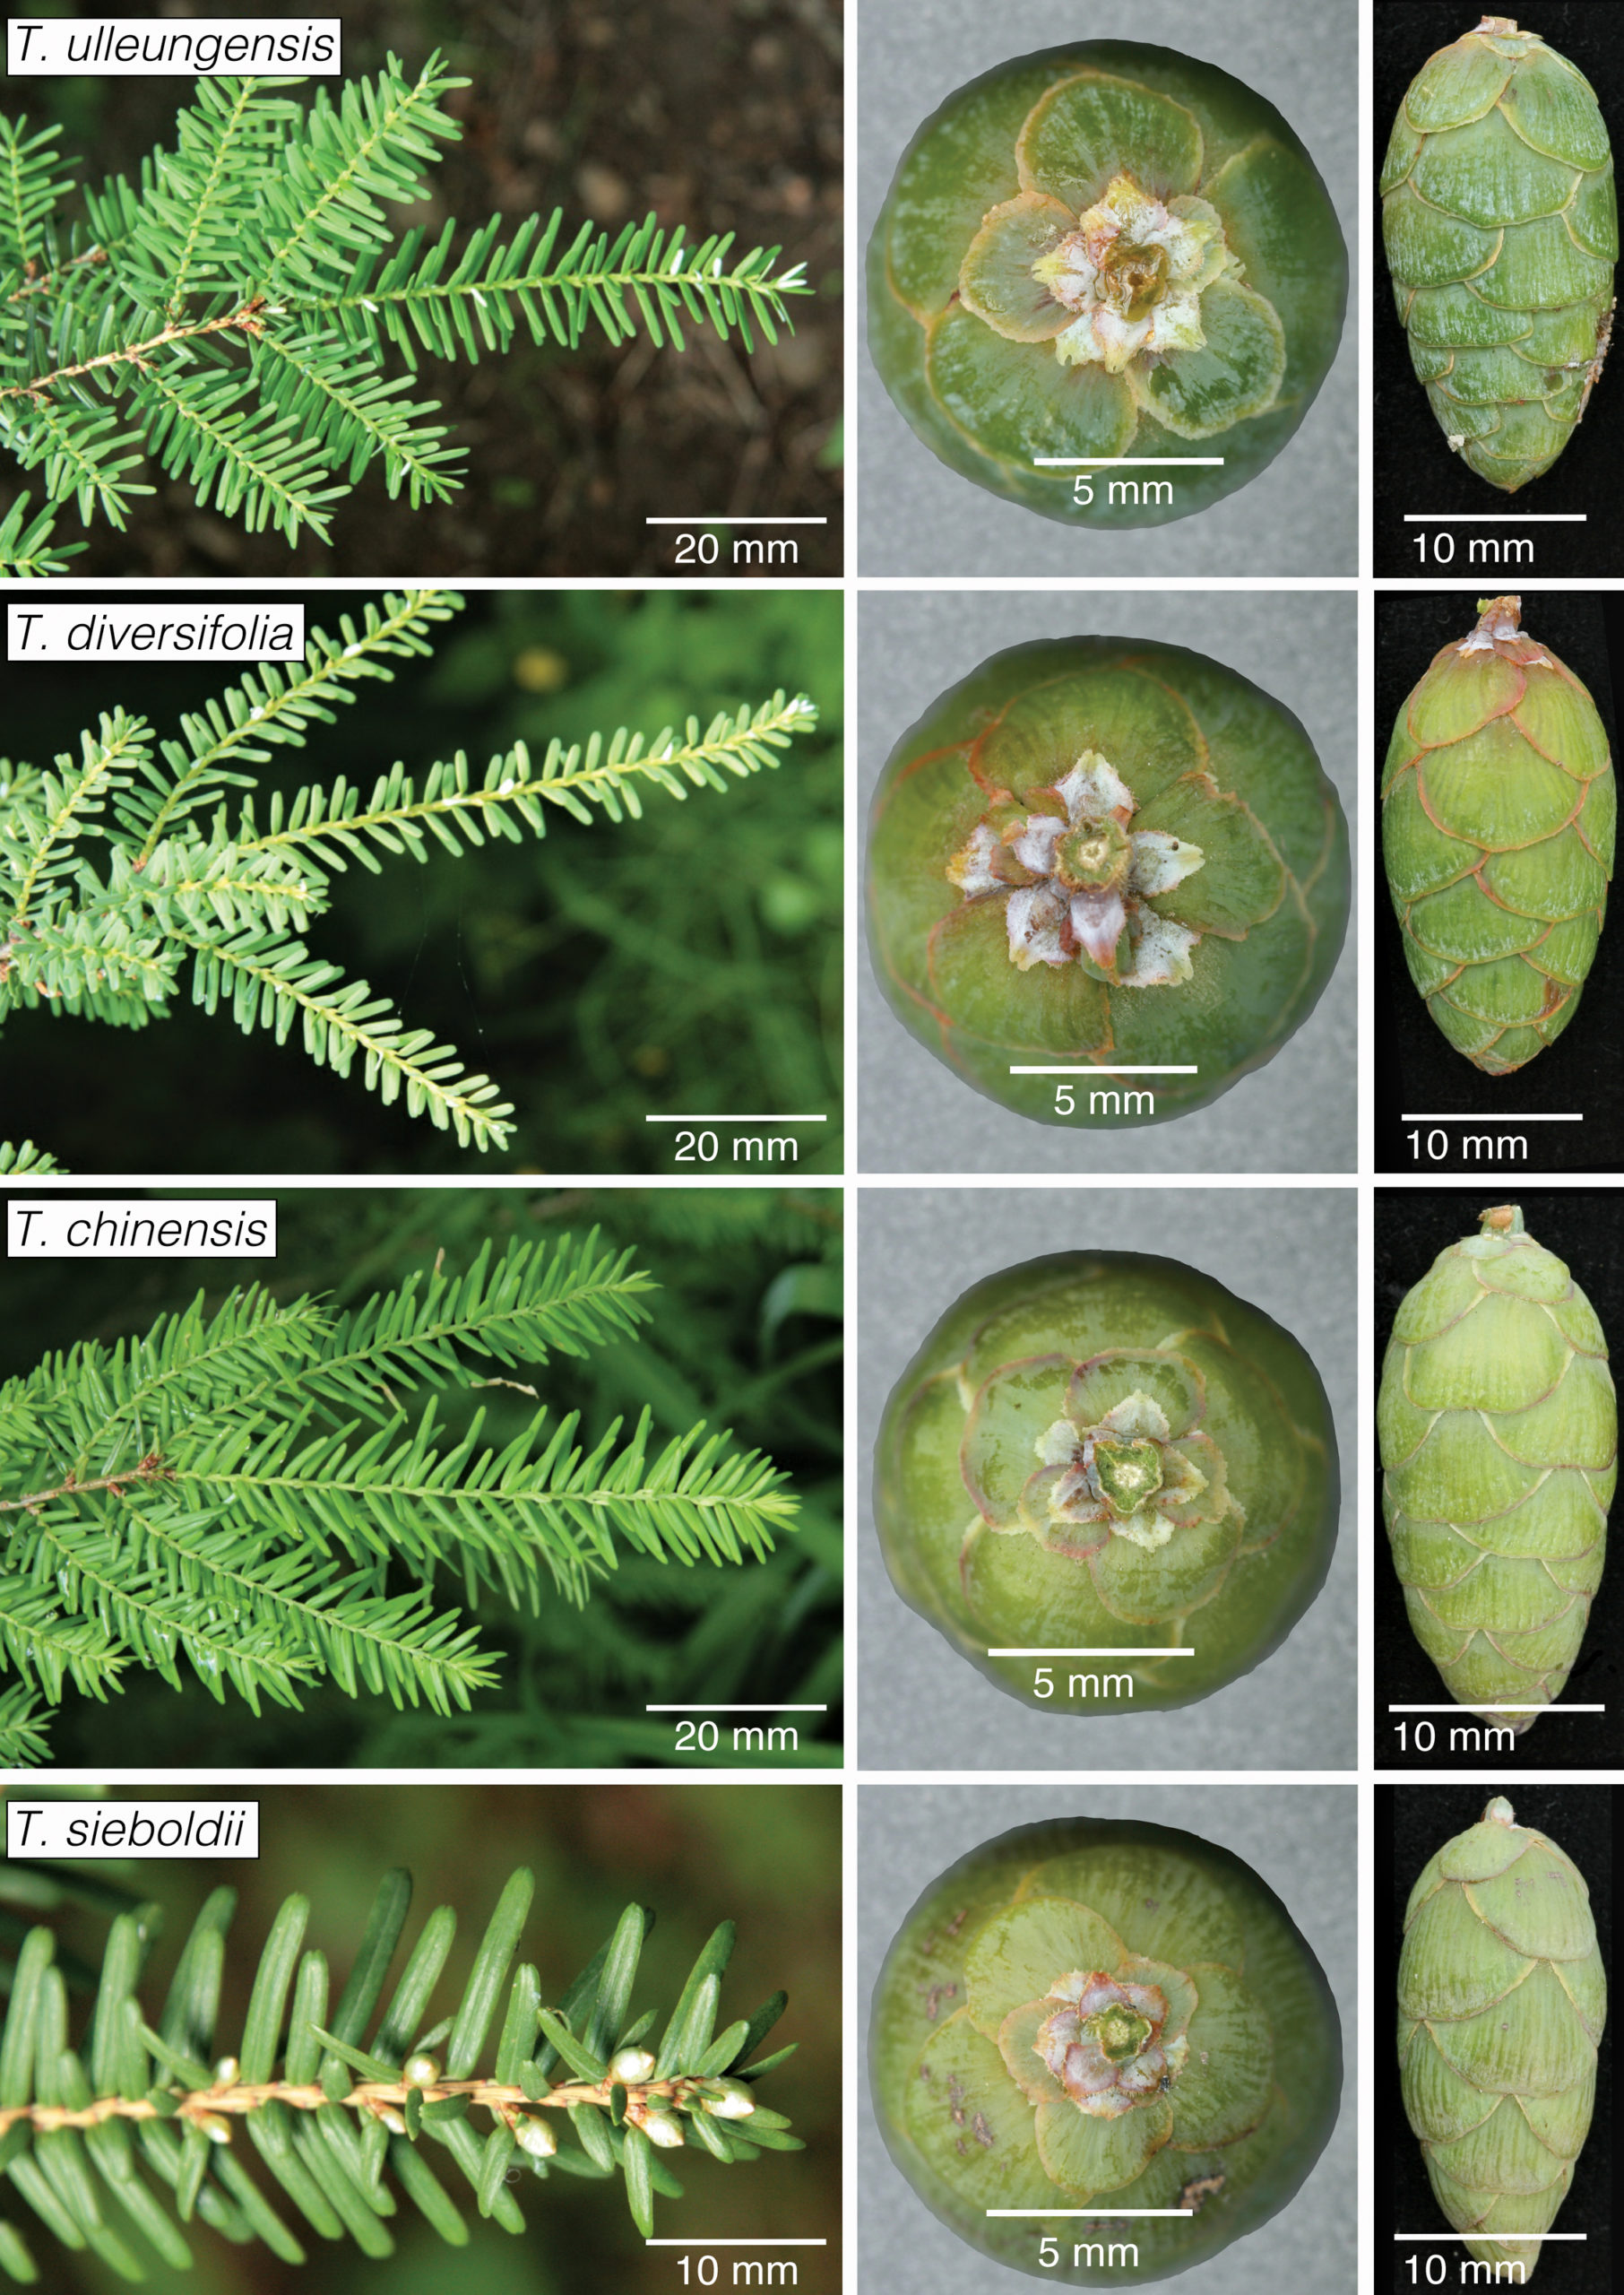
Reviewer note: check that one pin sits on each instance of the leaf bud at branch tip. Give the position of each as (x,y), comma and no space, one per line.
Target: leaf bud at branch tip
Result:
(730,2099)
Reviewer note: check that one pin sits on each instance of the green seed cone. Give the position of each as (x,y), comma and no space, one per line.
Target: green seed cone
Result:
(1498,1430)
(1501,229)
(1499,807)
(1212,2084)
(1501,2001)
(1203,322)
(1201,937)
(1054,1470)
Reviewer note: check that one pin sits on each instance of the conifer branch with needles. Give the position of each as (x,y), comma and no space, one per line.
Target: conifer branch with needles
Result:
(21,1157)
(227,316)
(144,863)
(244,1491)
(87,2132)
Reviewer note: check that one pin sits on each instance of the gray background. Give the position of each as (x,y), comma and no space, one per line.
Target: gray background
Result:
(1299,515)
(1290,1251)
(1295,1113)
(1300,1839)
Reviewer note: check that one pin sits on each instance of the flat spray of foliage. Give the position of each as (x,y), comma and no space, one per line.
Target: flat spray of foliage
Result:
(234,1488)
(86,2132)
(128,868)
(229,316)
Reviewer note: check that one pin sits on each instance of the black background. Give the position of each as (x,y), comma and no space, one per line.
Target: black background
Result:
(1413,1823)
(1417,1069)
(1584,1226)
(1414,470)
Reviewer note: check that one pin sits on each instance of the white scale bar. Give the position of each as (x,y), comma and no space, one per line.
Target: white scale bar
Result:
(735,1119)
(1090,1068)
(726,518)
(736,1709)
(1086,1653)
(1122,461)
(736,2243)
(1459,1710)
(1491,1118)
(1092,2212)
(1491,2235)
(1497,518)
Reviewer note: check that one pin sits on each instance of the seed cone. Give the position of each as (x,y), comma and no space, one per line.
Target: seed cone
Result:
(1112,2012)
(1501,230)
(1107,1451)
(1499,807)
(1099,250)
(1105,851)
(1501,2001)
(1498,1432)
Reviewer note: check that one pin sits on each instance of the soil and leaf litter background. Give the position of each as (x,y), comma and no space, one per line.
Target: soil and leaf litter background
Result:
(689,962)
(765,1857)
(745,1332)
(719,114)
(1417,1069)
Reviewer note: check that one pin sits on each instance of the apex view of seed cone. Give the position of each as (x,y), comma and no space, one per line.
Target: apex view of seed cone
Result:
(1498,808)
(1107,1449)
(1498,1428)
(1501,2001)
(1100,250)
(1102,2014)
(1501,227)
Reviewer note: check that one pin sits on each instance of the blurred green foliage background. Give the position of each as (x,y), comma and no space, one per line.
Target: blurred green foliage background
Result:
(745,1332)
(689,962)
(767,1857)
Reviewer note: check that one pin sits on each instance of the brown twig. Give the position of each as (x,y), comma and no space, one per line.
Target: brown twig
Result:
(246,320)
(152,1468)
(37,280)
(241,2097)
